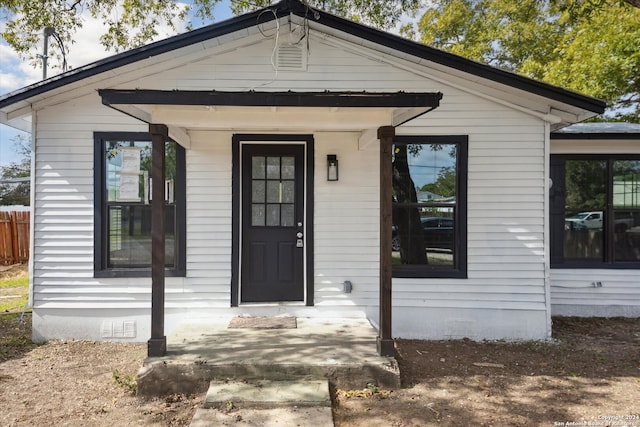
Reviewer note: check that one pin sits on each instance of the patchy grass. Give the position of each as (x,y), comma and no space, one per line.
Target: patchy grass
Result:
(14,289)
(128,382)
(15,335)
(11,304)
(15,282)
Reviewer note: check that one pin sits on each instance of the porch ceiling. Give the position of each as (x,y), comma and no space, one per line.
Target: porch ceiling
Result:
(181,111)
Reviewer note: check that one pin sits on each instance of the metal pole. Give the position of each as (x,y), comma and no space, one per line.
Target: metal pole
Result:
(48,31)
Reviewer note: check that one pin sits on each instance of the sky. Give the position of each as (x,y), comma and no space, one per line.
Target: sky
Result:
(16,74)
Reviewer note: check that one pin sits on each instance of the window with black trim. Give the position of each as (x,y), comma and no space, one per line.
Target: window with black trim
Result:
(595,211)
(123,205)
(429,235)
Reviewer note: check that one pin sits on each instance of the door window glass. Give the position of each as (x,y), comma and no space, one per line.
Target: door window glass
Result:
(273,191)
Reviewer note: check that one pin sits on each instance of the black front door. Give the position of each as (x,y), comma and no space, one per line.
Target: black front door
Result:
(272,223)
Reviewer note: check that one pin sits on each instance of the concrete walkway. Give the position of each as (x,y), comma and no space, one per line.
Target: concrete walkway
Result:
(340,350)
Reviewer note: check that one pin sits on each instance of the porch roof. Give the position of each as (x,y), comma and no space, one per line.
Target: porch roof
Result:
(327,110)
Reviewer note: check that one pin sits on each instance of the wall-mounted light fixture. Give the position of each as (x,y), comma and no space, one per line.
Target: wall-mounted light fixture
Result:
(332,167)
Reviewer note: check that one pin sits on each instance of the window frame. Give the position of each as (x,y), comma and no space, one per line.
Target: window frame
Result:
(459,270)
(557,197)
(101,240)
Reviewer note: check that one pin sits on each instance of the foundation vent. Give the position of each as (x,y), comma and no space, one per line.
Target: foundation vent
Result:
(118,329)
(291,57)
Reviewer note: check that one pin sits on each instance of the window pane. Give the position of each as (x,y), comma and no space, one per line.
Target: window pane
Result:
(273,192)
(127,166)
(423,240)
(288,168)
(626,235)
(257,215)
(288,191)
(129,231)
(424,173)
(273,215)
(626,184)
(273,167)
(258,193)
(128,169)
(288,218)
(258,167)
(585,205)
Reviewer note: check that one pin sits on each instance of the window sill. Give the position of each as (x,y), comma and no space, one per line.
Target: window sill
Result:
(136,272)
(421,273)
(593,266)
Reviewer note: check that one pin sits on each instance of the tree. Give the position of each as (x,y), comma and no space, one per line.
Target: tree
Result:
(445,185)
(14,182)
(133,23)
(412,250)
(590,46)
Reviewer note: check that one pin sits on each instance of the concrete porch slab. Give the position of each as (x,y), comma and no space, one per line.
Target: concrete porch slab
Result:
(340,350)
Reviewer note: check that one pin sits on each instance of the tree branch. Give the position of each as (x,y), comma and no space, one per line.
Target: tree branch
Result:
(75,3)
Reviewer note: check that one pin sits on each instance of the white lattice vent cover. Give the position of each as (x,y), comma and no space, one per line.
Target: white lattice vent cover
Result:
(291,57)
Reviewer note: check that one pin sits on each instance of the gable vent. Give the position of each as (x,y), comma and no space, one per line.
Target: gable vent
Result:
(291,57)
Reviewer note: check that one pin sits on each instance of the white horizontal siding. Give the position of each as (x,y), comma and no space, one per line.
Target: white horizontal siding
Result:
(209,219)
(573,292)
(346,224)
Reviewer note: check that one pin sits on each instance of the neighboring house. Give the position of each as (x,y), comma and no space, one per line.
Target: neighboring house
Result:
(276,194)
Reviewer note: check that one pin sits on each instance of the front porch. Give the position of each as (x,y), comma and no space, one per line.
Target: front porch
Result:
(340,350)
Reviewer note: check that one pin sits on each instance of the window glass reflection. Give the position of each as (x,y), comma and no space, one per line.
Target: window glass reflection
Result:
(127,186)
(424,205)
(586,197)
(130,236)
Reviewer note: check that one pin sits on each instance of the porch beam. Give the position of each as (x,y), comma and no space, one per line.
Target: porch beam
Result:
(385,340)
(157,344)
(403,115)
(180,135)
(367,138)
(410,100)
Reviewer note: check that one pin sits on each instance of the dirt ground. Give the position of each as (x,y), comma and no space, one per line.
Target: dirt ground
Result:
(588,375)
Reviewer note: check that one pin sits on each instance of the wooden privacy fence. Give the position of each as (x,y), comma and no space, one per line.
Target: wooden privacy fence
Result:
(14,237)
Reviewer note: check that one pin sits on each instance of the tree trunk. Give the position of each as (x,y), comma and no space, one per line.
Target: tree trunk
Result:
(410,232)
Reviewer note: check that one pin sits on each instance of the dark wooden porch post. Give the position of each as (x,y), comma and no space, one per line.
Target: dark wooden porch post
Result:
(157,344)
(385,341)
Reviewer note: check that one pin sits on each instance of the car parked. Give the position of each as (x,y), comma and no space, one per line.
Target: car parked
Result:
(595,220)
(437,232)
(588,220)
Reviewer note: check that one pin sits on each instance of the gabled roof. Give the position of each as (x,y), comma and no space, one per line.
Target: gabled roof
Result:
(284,8)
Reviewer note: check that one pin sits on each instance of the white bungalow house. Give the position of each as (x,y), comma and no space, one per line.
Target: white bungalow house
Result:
(293,143)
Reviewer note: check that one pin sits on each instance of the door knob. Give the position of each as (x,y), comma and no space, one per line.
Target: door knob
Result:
(299,235)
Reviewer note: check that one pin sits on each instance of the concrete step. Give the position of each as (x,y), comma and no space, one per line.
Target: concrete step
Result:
(266,403)
(251,417)
(268,394)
